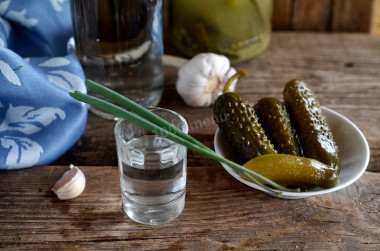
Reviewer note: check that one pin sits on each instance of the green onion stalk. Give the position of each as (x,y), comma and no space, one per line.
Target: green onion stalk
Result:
(150,121)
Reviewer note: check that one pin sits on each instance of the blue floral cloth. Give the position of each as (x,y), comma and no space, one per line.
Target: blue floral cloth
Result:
(39,121)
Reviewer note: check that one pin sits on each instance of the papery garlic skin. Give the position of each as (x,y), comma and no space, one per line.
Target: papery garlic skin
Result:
(70,185)
(200,82)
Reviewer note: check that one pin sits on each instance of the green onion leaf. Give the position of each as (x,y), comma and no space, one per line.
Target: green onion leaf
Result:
(157,125)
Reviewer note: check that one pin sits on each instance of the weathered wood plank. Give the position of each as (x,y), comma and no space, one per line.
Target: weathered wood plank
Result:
(352,15)
(328,15)
(311,15)
(282,15)
(375,18)
(220,213)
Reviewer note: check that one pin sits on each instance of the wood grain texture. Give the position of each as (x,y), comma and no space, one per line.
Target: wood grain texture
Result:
(342,70)
(326,15)
(375,23)
(282,15)
(311,15)
(352,15)
(220,213)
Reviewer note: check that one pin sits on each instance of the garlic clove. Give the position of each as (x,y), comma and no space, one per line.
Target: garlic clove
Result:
(70,185)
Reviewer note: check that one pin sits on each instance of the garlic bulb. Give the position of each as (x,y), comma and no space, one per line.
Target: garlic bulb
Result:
(70,185)
(202,79)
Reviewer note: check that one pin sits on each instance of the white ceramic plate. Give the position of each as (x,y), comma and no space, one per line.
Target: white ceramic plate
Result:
(353,150)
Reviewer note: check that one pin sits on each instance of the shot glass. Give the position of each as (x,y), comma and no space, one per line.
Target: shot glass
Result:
(152,170)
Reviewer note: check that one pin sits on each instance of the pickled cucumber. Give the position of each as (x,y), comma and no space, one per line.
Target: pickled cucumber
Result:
(239,124)
(311,126)
(287,169)
(275,121)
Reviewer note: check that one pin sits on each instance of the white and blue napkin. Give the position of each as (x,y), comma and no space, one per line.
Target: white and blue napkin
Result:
(39,121)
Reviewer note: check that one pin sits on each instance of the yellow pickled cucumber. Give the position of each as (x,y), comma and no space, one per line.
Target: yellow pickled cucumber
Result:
(292,170)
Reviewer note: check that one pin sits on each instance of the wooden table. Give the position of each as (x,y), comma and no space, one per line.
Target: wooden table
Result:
(220,213)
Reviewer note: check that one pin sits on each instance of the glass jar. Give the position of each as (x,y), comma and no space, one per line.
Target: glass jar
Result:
(119,45)
(238,29)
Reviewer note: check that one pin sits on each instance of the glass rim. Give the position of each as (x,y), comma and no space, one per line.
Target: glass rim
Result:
(121,121)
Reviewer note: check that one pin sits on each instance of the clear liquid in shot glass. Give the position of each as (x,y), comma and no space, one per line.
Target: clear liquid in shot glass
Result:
(153,183)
